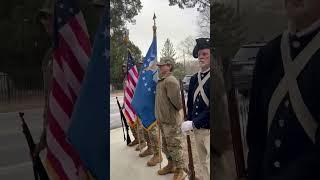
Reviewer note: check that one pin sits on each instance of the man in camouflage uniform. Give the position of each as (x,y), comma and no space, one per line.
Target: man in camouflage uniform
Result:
(167,108)
(134,129)
(45,17)
(149,150)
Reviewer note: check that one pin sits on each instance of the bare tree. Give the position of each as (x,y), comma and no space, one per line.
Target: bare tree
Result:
(200,4)
(185,49)
(187,46)
(204,22)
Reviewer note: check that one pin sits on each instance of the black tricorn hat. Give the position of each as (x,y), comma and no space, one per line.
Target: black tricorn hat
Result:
(202,43)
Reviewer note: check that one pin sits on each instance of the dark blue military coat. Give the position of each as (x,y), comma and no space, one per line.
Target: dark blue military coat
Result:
(198,111)
(285,151)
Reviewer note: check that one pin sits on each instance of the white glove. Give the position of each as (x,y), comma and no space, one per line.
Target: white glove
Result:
(186,126)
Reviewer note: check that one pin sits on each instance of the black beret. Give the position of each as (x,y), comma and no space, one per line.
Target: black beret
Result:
(202,43)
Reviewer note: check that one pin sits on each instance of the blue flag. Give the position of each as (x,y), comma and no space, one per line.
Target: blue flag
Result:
(143,101)
(89,131)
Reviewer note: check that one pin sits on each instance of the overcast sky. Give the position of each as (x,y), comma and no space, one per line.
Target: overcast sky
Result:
(172,22)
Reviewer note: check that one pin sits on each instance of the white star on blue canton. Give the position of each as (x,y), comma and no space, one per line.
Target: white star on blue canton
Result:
(105,33)
(144,78)
(149,89)
(145,65)
(154,92)
(145,84)
(105,53)
(143,71)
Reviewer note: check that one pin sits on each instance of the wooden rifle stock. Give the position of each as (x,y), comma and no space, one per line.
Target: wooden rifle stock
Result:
(38,168)
(192,175)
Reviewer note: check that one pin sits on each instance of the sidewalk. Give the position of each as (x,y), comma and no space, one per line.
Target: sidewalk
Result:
(125,162)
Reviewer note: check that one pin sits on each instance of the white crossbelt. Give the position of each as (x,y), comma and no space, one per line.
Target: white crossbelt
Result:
(288,84)
(200,88)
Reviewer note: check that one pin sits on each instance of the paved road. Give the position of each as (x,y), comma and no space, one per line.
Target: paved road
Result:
(15,162)
(115,121)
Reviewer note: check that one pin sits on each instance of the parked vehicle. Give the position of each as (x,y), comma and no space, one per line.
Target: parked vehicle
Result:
(185,82)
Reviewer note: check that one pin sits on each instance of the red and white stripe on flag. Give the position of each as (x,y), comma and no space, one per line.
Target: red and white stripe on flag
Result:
(71,55)
(130,87)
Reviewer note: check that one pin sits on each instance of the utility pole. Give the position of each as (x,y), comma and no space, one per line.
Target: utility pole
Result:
(184,62)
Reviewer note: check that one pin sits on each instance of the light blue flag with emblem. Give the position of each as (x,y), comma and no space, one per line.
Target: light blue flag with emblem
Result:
(89,129)
(143,101)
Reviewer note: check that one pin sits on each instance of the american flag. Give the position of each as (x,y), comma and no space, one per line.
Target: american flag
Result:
(71,54)
(130,87)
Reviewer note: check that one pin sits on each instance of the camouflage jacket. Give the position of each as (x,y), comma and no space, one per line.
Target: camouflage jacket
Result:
(168,100)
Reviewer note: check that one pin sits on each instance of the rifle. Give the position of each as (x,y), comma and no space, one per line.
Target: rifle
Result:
(123,119)
(38,169)
(191,166)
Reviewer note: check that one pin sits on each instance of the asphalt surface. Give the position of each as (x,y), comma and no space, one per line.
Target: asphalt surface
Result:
(15,161)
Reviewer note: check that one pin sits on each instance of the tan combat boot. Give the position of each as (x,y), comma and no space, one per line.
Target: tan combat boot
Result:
(141,146)
(146,152)
(134,142)
(179,174)
(170,168)
(156,158)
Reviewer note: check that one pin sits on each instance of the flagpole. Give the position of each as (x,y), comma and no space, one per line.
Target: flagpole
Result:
(154,27)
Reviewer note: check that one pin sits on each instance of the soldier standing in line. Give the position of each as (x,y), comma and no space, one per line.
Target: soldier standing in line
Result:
(134,129)
(198,104)
(149,150)
(167,110)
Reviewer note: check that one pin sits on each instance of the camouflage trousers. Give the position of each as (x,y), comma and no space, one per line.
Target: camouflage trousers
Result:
(143,134)
(171,142)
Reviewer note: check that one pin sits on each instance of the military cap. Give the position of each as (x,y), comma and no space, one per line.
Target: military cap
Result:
(202,43)
(166,60)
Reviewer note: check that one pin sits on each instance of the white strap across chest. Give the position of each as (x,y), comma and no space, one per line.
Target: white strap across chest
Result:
(200,88)
(288,84)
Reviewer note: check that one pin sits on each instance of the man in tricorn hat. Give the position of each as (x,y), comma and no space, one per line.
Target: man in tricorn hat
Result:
(198,104)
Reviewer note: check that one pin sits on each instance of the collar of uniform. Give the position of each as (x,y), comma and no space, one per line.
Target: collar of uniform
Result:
(164,76)
(313,27)
(203,72)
